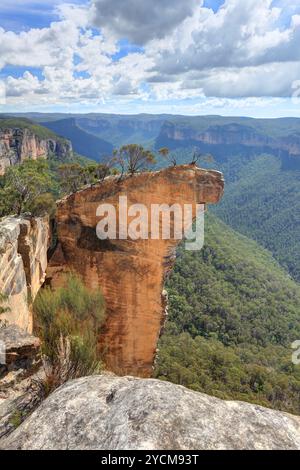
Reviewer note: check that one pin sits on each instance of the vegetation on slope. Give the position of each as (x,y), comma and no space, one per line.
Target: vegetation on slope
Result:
(34,185)
(28,187)
(233,316)
(262,201)
(83,143)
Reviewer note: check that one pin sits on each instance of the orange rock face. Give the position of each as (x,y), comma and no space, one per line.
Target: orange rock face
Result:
(130,273)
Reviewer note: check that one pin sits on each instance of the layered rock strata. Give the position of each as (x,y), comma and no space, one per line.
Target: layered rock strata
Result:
(19,144)
(23,262)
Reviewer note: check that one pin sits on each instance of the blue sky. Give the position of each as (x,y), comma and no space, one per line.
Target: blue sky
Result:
(22,15)
(213,4)
(230,57)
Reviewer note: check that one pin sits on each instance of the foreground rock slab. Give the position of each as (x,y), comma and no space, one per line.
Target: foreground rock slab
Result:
(114,413)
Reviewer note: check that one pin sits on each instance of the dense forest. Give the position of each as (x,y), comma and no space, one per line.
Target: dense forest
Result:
(262,201)
(233,316)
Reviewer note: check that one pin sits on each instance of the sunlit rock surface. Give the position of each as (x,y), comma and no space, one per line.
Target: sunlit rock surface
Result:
(131,274)
(18,144)
(114,413)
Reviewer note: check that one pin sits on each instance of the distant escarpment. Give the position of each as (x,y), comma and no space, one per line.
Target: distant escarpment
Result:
(29,141)
(130,273)
(230,139)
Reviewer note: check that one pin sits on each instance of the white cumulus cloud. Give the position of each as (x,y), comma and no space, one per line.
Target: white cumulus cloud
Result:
(247,48)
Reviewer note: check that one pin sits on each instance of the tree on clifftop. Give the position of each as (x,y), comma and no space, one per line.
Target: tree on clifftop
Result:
(133,158)
(27,188)
(167,155)
(199,157)
(72,177)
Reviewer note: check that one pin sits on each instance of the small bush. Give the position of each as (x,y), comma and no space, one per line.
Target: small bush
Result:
(68,321)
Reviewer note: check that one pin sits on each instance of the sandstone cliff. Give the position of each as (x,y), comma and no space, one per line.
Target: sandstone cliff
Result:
(23,263)
(17,144)
(113,413)
(130,273)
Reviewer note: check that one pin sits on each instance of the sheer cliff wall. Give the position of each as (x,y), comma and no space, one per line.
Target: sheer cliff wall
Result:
(18,144)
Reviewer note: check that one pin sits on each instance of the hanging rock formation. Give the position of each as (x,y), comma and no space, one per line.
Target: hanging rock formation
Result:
(131,274)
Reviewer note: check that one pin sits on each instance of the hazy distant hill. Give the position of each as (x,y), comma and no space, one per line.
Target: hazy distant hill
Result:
(113,128)
(225,137)
(222,136)
(83,143)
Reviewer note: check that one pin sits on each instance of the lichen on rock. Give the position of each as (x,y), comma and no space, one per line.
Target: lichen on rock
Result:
(126,413)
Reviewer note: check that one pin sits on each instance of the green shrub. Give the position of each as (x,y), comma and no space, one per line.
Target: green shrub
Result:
(26,188)
(68,321)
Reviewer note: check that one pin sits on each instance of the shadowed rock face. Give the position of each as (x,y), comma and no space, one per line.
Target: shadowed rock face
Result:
(131,274)
(23,261)
(126,413)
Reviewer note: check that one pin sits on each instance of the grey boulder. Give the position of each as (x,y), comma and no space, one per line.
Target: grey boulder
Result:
(125,413)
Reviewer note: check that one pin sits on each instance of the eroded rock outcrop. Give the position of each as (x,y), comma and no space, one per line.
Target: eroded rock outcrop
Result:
(131,274)
(21,357)
(114,413)
(23,264)
(18,144)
